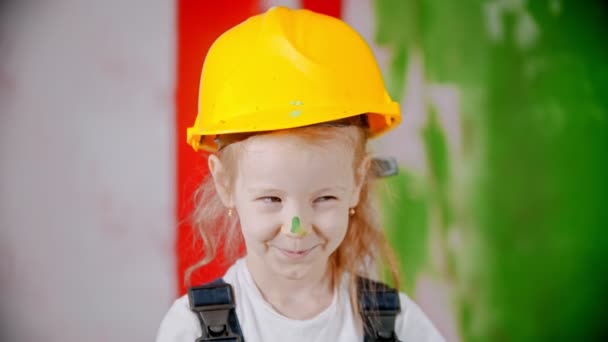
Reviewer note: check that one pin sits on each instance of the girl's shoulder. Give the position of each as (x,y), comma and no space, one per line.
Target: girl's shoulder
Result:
(412,323)
(179,324)
(182,324)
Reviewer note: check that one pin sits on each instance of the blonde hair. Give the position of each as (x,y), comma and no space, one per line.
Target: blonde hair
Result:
(364,248)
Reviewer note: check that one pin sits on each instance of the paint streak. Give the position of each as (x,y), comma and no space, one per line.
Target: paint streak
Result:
(295,113)
(296,226)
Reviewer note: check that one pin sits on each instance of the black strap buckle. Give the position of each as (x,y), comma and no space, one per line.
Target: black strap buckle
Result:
(382,325)
(379,307)
(214,304)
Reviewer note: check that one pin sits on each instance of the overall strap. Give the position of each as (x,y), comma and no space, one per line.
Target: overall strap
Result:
(215,307)
(379,306)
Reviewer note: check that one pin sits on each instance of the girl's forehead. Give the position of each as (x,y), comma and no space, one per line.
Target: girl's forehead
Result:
(290,145)
(281,160)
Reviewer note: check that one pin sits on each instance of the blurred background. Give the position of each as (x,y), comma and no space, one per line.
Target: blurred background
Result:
(498,214)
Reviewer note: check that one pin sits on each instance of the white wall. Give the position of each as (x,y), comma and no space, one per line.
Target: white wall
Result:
(87,169)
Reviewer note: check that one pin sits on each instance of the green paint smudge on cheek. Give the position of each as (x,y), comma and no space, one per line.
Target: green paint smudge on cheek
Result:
(295,113)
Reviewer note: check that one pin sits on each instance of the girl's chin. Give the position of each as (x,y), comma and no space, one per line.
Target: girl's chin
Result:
(294,271)
(296,267)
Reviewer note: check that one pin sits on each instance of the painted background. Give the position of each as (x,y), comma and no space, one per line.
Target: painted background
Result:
(498,212)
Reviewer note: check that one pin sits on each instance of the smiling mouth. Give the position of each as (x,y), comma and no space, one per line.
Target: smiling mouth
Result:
(295,253)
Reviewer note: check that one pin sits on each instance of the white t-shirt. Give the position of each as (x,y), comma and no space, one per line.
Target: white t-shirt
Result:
(261,323)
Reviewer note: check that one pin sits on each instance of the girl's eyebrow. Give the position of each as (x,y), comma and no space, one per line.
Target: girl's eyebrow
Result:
(258,189)
(330,188)
(269,189)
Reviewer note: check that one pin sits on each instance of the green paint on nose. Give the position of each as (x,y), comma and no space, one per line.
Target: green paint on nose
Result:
(296,227)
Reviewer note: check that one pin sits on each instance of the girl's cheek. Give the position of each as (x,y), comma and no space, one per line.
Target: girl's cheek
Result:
(259,228)
(331,223)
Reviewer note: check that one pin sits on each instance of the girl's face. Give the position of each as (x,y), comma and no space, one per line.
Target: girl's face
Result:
(293,200)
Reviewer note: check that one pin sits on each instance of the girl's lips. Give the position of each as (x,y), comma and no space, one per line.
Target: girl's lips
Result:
(295,254)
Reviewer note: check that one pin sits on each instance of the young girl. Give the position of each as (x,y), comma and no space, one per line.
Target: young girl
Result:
(288,100)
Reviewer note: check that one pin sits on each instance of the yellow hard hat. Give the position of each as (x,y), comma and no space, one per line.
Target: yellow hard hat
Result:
(288,68)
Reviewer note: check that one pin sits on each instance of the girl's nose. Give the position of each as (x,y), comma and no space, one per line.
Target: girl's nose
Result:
(296,227)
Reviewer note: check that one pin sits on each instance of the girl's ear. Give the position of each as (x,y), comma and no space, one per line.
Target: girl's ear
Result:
(221,180)
(360,176)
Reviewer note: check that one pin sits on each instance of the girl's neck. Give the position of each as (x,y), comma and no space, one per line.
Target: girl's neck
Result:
(301,298)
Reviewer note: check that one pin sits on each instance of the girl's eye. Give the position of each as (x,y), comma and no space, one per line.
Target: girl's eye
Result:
(325,199)
(270,199)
